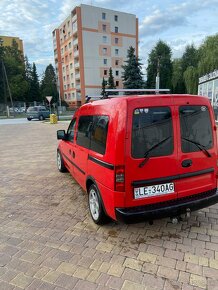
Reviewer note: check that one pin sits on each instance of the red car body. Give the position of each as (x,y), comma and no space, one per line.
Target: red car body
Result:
(160,155)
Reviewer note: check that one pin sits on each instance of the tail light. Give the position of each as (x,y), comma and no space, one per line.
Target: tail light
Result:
(119,178)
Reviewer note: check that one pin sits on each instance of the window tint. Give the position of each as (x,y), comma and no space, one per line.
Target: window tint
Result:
(99,134)
(71,130)
(151,126)
(84,131)
(195,126)
(32,109)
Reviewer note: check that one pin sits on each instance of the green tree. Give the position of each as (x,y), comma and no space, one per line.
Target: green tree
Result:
(132,74)
(110,82)
(178,85)
(12,64)
(191,80)
(208,52)
(34,92)
(160,59)
(104,83)
(48,84)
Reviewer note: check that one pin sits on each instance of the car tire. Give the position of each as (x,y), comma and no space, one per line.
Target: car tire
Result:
(60,162)
(96,206)
(41,118)
(29,119)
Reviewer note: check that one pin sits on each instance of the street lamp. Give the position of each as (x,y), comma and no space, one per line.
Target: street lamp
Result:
(157,82)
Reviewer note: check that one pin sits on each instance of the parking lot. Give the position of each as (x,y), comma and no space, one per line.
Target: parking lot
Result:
(48,240)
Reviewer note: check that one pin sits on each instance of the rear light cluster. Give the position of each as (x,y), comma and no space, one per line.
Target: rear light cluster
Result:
(119,178)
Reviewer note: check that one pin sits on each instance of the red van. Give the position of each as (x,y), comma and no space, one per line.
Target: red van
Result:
(142,156)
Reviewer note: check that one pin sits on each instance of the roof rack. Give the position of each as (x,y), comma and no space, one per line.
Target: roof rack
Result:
(137,90)
(107,95)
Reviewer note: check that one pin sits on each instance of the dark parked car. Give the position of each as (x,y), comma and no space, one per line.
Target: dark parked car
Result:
(37,112)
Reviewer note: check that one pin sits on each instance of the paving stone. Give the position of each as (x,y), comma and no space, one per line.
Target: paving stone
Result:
(128,285)
(168,273)
(198,281)
(133,264)
(21,281)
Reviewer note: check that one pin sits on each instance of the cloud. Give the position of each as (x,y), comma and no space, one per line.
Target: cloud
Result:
(173,16)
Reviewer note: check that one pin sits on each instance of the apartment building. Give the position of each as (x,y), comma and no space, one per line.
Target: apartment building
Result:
(86,45)
(8,41)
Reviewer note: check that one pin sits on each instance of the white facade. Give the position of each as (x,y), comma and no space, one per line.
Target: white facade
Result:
(87,44)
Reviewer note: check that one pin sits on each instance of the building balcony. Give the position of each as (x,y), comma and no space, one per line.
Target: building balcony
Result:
(75,41)
(77,76)
(74,18)
(78,87)
(76,53)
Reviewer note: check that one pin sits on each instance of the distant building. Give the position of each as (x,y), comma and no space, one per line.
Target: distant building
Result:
(8,40)
(86,45)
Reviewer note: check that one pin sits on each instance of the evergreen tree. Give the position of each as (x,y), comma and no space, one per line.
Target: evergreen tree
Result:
(132,75)
(190,57)
(104,83)
(110,82)
(48,84)
(160,58)
(34,93)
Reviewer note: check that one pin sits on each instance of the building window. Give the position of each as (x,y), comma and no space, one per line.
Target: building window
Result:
(116,29)
(63,69)
(64,78)
(70,44)
(71,66)
(117,73)
(116,62)
(67,67)
(65,37)
(105,61)
(105,72)
(104,39)
(117,83)
(104,50)
(68,23)
(104,27)
(68,34)
(61,40)
(65,87)
(115,17)
(72,85)
(103,15)
(62,51)
(116,51)
(65,47)
(65,96)
(68,86)
(71,75)
(73,96)
(116,40)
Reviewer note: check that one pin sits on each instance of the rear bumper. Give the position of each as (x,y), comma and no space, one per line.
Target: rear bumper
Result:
(169,208)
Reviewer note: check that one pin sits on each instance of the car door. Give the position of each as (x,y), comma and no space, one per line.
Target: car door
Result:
(196,148)
(151,152)
(81,149)
(68,147)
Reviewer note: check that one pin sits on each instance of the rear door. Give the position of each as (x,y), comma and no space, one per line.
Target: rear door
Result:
(151,151)
(197,148)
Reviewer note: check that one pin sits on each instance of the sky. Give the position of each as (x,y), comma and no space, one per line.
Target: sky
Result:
(176,22)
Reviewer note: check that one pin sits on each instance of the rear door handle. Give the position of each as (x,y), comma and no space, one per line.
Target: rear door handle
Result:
(72,153)
(187,163)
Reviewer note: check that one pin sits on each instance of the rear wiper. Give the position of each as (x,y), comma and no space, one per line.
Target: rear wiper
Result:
(200,146)
(146,154)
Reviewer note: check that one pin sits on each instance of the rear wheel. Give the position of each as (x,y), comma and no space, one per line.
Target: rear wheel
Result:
(41,118)
(29,119)
(60,163)
(96,206)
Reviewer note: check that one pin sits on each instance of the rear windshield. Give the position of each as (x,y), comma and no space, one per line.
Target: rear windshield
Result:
(31,109)
(150,127)
(196,127)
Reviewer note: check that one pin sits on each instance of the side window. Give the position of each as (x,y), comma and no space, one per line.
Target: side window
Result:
(84,131)
(99,134)
(71,130)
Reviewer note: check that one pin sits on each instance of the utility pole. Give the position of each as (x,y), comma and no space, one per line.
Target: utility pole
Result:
(157,83)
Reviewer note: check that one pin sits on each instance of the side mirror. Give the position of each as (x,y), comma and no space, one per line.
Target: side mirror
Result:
(61,135)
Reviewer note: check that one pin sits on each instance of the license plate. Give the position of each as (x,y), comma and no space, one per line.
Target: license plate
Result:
(153,190)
